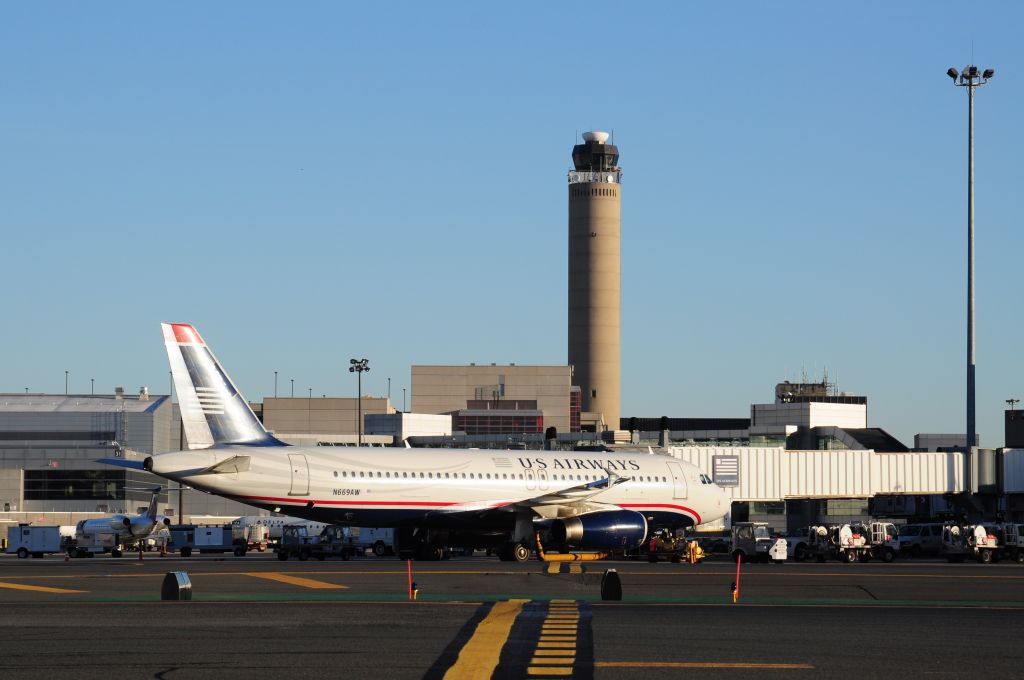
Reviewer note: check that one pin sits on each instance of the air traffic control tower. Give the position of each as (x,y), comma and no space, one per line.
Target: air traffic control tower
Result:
(595,278)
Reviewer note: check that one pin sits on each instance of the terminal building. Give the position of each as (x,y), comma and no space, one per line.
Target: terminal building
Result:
(49,445)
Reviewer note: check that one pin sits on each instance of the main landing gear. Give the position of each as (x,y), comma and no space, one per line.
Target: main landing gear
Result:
(514,552)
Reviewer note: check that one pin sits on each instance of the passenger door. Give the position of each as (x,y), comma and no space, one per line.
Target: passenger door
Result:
(678,480)
(300,475)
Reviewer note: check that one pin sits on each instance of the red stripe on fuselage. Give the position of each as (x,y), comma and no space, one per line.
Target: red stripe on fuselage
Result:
(440,504)
(688,511)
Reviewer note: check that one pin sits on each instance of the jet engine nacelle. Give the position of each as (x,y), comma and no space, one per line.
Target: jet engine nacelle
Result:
(608,530)
(138,526)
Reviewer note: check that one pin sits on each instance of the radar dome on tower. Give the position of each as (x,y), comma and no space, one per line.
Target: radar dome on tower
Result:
(595,136)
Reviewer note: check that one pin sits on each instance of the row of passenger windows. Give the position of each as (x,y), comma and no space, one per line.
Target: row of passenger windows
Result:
(474,475)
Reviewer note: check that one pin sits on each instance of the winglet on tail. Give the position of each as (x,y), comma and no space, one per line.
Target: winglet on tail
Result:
(212,409)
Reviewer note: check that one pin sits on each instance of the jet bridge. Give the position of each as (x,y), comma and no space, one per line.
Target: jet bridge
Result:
(775,474)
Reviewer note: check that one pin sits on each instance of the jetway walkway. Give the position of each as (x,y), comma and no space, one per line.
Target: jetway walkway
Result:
(774,474)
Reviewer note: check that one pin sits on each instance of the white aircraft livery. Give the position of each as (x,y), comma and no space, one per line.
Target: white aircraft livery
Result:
(590,501)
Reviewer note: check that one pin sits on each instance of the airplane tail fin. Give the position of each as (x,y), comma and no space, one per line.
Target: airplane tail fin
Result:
(212,409)
(151,510)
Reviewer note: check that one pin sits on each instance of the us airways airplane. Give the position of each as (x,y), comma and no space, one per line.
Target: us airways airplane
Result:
(432,497)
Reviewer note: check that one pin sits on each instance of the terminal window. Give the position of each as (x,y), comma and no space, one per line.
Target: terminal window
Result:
(57,485)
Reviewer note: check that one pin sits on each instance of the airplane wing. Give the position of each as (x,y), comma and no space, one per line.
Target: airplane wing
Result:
(121,462)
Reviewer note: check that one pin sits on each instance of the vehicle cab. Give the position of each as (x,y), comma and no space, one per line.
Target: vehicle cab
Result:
(752,541)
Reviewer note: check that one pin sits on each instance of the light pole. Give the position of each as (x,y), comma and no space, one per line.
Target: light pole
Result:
(359,366)
(92,387)
(403,400)
(971,78)
(389,390)
(275,384)
(65,383)
(1012,403)
(293,388)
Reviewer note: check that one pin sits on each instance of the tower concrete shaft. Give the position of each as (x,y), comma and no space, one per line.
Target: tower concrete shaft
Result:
(595,346)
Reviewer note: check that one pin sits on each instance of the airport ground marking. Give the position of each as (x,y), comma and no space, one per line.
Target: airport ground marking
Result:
(480,655)
(703,665)
(38,589)
(555,651)
(295,580)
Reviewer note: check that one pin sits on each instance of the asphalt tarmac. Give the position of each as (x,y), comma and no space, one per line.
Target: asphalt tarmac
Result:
(257,617)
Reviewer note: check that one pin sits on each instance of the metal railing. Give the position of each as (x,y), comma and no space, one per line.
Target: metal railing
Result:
(607,177)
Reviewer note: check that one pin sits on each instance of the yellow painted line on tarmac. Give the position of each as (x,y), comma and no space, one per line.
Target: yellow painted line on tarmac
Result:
(293,580)
(807,574)
(558,645)
(549,670)
(480,655)
(701,664)
(38,589)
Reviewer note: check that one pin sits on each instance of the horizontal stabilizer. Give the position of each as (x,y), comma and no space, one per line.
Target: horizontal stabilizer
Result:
(232,464)
(121,462)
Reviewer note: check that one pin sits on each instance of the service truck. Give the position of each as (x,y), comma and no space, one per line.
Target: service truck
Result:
(34,540)
(333,541)
(252,537)
(853,542)
(380,541)
(1013,541)
(753,542)
(972,540)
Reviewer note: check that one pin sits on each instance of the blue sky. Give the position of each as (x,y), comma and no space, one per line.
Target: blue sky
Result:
(316,182)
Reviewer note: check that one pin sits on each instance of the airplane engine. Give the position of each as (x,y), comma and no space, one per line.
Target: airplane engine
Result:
(140,525)
(609,530)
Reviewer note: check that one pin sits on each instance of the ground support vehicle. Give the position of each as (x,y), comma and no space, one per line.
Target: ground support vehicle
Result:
(917,540)
(35,540)
(1013,541)
(206,539)
(333,541)
(883,541)
(217,539)
(182,538)
(663,544)
(253,537)
(853,543)
(975,541)
(91,543)
(380,541)
(752,542)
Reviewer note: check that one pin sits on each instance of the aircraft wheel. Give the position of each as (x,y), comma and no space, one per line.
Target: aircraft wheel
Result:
(520,552)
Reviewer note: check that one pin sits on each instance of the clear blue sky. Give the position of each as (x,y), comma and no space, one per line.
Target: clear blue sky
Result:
(309,183)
